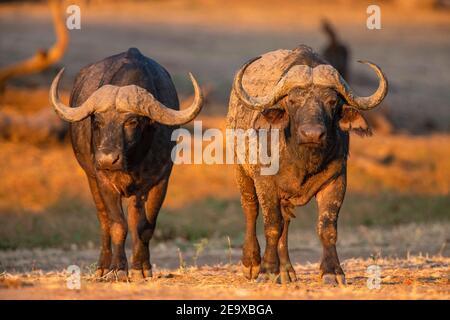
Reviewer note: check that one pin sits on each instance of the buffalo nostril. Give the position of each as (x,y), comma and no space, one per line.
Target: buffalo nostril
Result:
(304,133)
(117,157)
(108,160)
(312,134)
(321,136)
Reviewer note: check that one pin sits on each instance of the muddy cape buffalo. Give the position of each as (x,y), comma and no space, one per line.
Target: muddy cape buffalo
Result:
(122,112)
(297,92)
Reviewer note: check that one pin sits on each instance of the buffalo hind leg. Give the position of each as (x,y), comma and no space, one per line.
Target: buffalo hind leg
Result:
(251,252)
(287,272)
(329,201)
(104,260)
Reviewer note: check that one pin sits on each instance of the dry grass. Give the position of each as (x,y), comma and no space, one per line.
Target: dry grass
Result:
(413,278)
(403,163)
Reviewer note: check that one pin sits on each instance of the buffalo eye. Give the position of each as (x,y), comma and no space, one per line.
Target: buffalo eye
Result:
(96,123)
(331,102)
(131,123)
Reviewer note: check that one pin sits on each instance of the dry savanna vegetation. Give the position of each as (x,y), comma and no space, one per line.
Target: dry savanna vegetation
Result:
(397,209)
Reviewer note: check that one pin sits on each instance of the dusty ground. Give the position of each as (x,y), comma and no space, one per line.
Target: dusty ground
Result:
(211,269)
(413,278)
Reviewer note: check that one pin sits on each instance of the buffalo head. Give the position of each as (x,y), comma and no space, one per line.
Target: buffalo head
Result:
(120,118)
(317,102)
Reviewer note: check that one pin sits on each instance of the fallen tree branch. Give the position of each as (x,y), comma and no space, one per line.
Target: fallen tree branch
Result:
(43,58)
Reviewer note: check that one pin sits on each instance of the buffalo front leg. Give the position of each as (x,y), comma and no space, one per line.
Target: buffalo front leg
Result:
(271,210)
(272,231)
(251,254)
(287,272)
(118,228)
(104,260)
(329,201)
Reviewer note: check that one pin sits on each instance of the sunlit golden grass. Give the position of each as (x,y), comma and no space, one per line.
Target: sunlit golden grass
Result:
(402,163)
(417,277)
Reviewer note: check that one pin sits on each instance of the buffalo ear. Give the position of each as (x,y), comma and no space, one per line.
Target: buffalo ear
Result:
(271,119)
(352,120)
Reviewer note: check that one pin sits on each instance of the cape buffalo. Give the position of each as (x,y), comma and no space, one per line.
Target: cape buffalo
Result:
(299,93)
(123,110)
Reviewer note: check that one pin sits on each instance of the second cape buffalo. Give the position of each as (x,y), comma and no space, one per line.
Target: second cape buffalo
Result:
(122,112)
(299,93)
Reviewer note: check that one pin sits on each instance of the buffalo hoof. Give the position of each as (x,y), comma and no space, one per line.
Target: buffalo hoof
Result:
(340,278)
(121,276)
(147,273)
(100,272)
(268,267)
(136,275)
(251,273)
(269,277)
(270,272)
(287,274)
(333,279)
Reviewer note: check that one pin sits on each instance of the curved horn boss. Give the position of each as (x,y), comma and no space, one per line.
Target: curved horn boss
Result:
(130,98)
(302,76)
